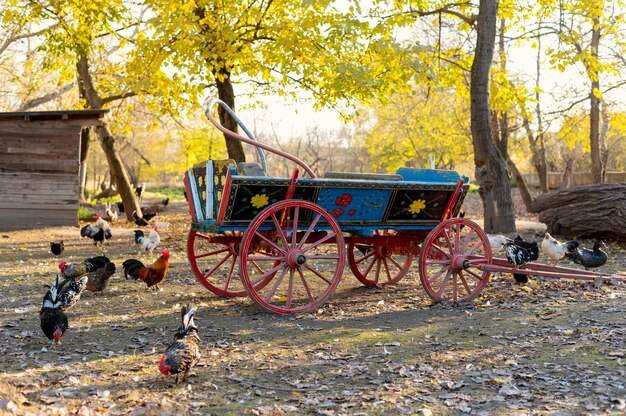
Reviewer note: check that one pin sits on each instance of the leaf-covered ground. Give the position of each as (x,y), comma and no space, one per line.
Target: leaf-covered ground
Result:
(551,347)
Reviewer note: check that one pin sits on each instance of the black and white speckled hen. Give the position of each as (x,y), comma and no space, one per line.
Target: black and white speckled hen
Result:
(53,320)
(520,252)
(589,258)
(70,291)
(184,352)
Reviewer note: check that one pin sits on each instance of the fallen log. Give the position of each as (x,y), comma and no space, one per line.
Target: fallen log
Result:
(584,211)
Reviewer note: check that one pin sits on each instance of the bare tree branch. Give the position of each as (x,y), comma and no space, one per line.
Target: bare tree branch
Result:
(46,98)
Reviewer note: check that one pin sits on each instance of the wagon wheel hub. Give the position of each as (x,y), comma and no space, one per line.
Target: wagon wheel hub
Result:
(460,262)
(296,258)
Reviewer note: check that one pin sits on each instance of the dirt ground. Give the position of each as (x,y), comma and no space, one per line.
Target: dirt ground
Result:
(551,347)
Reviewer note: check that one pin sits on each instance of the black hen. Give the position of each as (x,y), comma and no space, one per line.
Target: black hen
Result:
(57,248)
(120,206)
(520,252)
(589,258)
(184,352)
(86,266)
(140,221)
(53,320)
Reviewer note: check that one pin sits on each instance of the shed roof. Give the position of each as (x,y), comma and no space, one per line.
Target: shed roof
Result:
(53,115)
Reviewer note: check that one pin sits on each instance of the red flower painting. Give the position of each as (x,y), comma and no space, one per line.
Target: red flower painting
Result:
(343,200)
(337,212)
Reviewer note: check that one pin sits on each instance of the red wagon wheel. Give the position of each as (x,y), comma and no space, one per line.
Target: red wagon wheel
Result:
(448,254)
(376,265)
(213,259)
(306,264)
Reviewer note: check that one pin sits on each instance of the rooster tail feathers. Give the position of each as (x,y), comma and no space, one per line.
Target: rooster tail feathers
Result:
(187,313)
(131,268)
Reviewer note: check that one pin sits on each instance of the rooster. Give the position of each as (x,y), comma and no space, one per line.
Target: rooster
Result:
(99,280)
(152,275)
(184,352)
(554,249)
(53,320)
(589,258)
(69,291)
(87,266)
(57,248)
(520,252)
(98,231)
(148,243)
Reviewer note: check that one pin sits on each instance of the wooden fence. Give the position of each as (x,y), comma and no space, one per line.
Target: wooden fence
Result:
(555,179)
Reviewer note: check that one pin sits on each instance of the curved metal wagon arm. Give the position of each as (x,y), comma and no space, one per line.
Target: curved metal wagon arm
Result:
(250,139)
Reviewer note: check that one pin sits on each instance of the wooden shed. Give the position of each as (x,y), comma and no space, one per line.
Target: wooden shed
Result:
(39,162)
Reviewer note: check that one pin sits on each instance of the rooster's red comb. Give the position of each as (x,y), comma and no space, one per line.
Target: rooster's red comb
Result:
(62,265)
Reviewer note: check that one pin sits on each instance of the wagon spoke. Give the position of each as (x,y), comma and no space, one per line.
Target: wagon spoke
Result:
(318,242)
(309,230)
(230,274)
(390,258)
(455,286)
(457,238)
(279,229)
(270,242)
(290,289)
(266,258)
(446,236)
(436,247)
(473,249)
(294,231)
(387,271)
(474,274)
(318,274)
(218,265)
(212,253)
(204,237)
(369,267)
(429,262)
(468,239)
(444,284)
(268,273)
(276,284)
(306,285)
(438,274)
(365,257)
(465,284)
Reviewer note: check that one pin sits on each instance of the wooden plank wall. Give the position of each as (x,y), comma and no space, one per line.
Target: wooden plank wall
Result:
(39,161)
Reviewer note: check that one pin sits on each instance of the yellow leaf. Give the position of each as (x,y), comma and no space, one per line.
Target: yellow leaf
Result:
(597,93)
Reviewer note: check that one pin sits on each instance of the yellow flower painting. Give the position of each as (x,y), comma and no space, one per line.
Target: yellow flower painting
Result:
(259,201)
(417,206)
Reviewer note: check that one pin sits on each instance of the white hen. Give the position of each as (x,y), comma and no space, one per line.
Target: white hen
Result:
(554,249)
(497,241)
(148,243)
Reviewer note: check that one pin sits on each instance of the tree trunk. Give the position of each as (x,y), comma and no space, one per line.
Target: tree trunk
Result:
(585,211)
(594,107)
(107,141)
(82,173)
(567,174)
(226,93)
(491,173)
